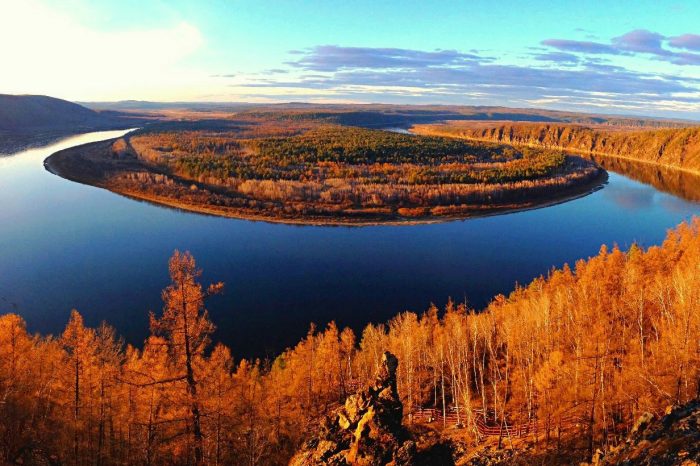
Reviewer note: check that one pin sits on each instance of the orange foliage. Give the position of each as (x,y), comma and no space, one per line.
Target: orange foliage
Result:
(581,353)
(670,147)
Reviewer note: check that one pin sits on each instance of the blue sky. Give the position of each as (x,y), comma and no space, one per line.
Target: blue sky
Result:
(638,57)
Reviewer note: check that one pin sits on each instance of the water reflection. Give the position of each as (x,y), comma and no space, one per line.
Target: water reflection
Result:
(64,245)
(630,197)
(679,183)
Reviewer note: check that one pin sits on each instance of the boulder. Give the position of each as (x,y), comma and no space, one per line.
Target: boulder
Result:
(367,430)
(674,439)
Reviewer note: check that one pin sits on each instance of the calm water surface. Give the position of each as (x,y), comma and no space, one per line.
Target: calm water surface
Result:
(64,245)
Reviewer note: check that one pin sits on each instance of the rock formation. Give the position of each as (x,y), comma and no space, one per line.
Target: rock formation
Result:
(366,431)
(672,440)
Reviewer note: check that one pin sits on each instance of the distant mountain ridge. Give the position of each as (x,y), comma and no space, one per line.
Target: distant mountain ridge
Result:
(26,112)
(27,120)
(374,115)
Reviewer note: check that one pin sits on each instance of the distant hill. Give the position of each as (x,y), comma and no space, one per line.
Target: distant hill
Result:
(380,115)
(23,112)
(27,120)
(148,106)
(377,115)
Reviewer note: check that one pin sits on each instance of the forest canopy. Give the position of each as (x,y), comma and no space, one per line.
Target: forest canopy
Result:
(580,354)
(308,170)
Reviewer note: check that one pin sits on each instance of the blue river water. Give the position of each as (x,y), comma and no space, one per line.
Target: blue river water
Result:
(65,245)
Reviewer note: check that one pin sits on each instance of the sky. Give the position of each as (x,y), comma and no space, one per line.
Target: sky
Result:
(627,57)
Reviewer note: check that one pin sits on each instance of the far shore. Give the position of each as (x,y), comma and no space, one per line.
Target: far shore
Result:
(589,154)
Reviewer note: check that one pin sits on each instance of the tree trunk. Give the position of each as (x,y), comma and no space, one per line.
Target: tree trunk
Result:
(76,409)
(192,389)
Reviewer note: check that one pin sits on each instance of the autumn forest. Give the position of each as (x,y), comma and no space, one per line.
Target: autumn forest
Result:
(316,167)
(576,355)
(558,372)
(366,233)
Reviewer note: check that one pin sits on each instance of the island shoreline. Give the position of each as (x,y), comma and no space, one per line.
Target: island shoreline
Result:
(56,164)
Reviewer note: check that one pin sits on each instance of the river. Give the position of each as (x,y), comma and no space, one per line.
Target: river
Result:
(64,245)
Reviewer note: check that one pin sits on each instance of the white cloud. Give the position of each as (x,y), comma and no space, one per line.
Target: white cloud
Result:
(46,51)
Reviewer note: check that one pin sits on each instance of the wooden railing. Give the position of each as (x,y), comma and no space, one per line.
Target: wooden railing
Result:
(485,424)
(487,428)
(435,415)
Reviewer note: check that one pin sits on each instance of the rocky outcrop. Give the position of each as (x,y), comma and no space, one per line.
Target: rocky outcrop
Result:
(367,430)
(672,440)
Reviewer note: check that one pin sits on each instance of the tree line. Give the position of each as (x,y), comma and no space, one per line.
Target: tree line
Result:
(674,147)
(582,352)
(330,171)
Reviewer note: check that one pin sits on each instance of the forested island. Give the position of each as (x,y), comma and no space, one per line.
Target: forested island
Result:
(311,168)
(562,368)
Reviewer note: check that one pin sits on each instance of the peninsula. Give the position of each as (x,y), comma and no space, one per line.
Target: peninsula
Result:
(306,167)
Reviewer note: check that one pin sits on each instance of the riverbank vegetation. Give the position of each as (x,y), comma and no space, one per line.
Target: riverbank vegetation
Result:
(677,148)
(579,354)
(303,170)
